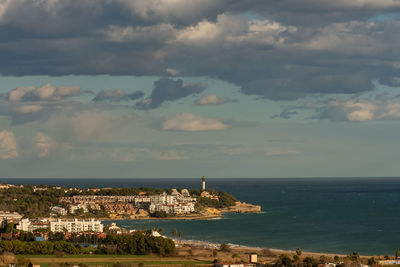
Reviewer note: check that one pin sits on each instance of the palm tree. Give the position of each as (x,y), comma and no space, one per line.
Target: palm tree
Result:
(299,252)
(180,235)
(174,232)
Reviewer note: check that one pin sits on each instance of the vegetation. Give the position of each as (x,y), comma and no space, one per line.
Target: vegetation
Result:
(25,201)
(310,261)
(137,244)
(225,248)
(299,252)
(372,261)
(225,199)
(36,203)
(285,260)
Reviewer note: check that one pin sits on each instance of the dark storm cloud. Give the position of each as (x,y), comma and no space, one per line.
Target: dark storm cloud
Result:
(117,95)
(280,50)
(169,90)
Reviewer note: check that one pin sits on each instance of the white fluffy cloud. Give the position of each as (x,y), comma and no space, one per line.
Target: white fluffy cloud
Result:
(46,92)
(233,30)
(188,122)
(211,100)
(360,110)
(8,145)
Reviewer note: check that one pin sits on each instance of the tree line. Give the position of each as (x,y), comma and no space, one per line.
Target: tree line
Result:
(136,244)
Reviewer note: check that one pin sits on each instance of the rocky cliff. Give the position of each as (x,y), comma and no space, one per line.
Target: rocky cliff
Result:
(242,207)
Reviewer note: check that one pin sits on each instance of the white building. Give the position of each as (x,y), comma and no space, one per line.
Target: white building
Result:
(23,225)
(10,216)
(29,226)
(113,228)
(74,208)
(58,211)
(75,225)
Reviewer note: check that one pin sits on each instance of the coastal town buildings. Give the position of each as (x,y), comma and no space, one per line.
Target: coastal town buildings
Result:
(174,203)
(72,209)
(30,226)
(6,216)
(76,225)
(6,186)
(55,210)
(208,195)
(113,228)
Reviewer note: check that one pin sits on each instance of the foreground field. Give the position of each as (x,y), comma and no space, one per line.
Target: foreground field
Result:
(108,260)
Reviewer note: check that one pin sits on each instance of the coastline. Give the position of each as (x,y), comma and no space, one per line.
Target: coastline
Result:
(237,248)
(195,217)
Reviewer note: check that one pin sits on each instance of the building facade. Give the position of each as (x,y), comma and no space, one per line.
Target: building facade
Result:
(75,225)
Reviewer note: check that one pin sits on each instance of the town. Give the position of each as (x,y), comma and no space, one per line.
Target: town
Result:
(74,209)
(72,228)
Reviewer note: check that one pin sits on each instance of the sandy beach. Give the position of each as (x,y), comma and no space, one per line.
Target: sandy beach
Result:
(203,250)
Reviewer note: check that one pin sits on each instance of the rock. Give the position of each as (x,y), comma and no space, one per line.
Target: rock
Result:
(242,207)
(142,213)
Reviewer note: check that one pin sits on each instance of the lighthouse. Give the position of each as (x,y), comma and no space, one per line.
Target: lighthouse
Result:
(203,182)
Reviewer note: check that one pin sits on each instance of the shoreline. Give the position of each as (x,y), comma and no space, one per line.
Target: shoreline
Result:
(258,250)
(183,218)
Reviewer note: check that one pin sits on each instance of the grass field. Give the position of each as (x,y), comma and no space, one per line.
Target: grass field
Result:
(109,260)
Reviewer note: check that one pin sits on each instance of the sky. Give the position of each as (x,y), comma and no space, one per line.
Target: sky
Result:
(191,88)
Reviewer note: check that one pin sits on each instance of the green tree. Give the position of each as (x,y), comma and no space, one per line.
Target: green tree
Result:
(372,261)
(354,257)
(296,258)
(309,261)
(323,259)
(336,259)
(299,252)
(225,248)
(285,260)
(397,254)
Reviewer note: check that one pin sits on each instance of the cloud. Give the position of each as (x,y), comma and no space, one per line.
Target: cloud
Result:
(117,95)
(360,110)
(8,145)
(46,92)
(280,50)
(190,123)
(90,126)
(171,155)
(29,108)
(169,90)
(172,71)
(212,100)
(44,144)
(287,113)
(280,152)
(231,30)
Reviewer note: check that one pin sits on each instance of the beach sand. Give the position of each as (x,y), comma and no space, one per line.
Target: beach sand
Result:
(202,250)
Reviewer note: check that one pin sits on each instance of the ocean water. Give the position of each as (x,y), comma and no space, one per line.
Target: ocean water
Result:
(331,215)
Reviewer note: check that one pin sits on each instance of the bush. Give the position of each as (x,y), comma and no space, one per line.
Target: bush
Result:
(225,248)
(285,260)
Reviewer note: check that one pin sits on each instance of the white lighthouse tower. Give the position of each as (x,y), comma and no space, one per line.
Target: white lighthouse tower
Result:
(203,182)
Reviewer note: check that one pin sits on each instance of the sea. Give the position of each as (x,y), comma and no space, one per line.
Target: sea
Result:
(328,215)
